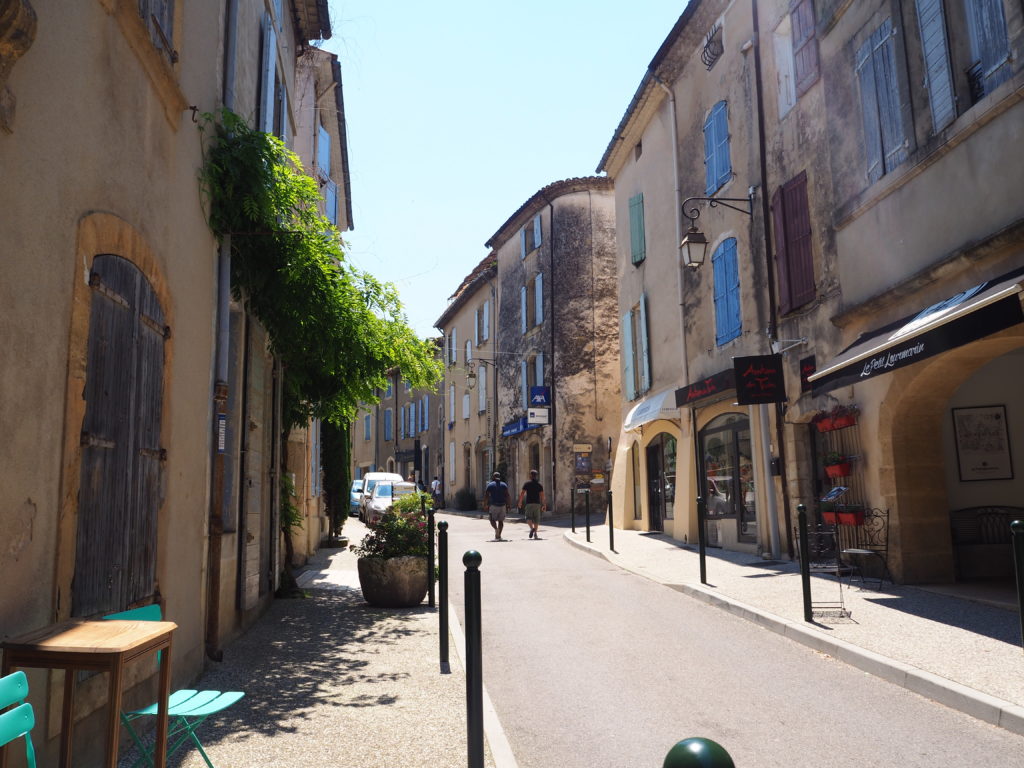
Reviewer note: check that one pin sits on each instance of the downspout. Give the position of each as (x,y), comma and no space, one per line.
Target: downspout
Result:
(220,389)
(773,515)
(684,358)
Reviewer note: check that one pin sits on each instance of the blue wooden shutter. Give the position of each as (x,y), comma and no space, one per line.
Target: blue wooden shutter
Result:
(522,243)
(538,373)
(487,320)
(869,110)
(524,383)
(401,421)
(645,349)
(727,292)
(637,239)
(412,418)
(710,175)
(628,375)
(323,151)
(538,298)
(723,162)
(522,309)
(935,47)
(536,231)
(890,112)
(989,44)
(387,424)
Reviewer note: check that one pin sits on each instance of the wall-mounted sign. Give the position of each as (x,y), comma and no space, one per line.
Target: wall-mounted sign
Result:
(537,415)
(582,447)
(713,385)
(540,396)
(759,379)
(582,464)
(517,426)
(807,367)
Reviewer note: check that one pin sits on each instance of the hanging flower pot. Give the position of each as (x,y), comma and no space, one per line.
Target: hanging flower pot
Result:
(823,424)
(851,517)
(841,469)
(830,518)
(846,420)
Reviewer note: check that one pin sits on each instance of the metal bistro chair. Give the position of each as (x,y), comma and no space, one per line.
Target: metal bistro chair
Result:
(16,723)
(186,709)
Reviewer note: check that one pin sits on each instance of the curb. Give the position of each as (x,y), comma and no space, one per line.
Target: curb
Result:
(982,706)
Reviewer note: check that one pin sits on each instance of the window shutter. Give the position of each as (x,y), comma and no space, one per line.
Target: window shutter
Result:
(869,109)
(538,373)
(412,418)
(538,298)
(781,254)
(645,350)
(522,243)
(524,383)
(627,355)
(727,306)
(710,175)
(887,93)
(935,48)
(323,151)
(451,402)
(989,44)
(536,231)
(387,424)
(268,75)
(805,46)
(469,352)
(723,162)
(455,346)
(637,239)
(487,320)
(366,427)
(481,385)
(798,241)
(425,413)
(465,405)
(401,422)
(522,309)
(476,327)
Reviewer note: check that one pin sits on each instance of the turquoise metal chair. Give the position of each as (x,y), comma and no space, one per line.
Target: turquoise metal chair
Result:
(186,709)
(16,723)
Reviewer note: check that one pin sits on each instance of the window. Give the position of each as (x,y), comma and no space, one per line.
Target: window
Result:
(273,106)
(538,370)
(451,460)
(388,392)
(481,383)
(794,259)
(452,346)
(938,74)
(158,16)
(469,351)
(530,237)
(412,418)
(425,414)
(323,152)
(532,373)
(524,309)
(805,46)
(538,299)
(388,416)
(366,427)
(465,405)
(990,49)
(635,351)
(451,401)
(637,240)
(402,413)
(717,166)
(483,322)
(524,383)
(406,384)
(884,139)
(782,40)
(727,292)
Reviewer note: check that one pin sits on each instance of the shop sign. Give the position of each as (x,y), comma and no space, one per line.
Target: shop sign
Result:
(807,367)
(713,385)
(537,416)
(517,426)
(582,464)
(759,379)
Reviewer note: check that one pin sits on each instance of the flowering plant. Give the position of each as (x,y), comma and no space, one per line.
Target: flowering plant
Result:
(834,457)
(395,535)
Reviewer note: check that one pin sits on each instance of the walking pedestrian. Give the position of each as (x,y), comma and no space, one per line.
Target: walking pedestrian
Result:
(435,492)
(496,504)
(533,494)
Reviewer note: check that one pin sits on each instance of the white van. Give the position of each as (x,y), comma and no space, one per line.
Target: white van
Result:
(370,479)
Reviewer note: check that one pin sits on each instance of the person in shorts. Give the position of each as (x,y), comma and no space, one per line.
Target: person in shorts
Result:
(496,504)
(533,494)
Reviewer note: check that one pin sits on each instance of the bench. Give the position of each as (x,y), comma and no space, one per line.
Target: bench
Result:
(982,544)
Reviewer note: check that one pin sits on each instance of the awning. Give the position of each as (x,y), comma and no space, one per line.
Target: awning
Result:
(659,406)
(968,316)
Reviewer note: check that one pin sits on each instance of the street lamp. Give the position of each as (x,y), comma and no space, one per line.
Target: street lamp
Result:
(694,245)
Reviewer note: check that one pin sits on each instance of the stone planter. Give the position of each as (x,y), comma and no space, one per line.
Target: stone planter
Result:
(397,582)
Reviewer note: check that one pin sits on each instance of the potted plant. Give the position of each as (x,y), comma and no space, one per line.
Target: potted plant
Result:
(836,464)
(822,421)
(393,567)
(850,515)
(829,516)
(844,416)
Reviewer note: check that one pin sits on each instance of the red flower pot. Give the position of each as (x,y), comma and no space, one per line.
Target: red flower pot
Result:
(830,518)
(824,425)
(847,420)
(851,517)
(838,470)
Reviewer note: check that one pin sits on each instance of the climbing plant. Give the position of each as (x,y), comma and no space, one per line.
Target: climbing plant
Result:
(337,330)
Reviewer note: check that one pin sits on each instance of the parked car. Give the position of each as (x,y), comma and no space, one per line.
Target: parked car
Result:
(384,495)
(370,480)
(353,497)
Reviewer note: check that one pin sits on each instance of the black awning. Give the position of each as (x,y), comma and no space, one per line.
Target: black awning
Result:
(968,316)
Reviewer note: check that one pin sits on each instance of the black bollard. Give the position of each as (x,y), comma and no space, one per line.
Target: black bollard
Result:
(442,613)
(474,666)
(698,753)
(572,507)
(1017,532)
(430,549)
(611,528)
(805,559)
(702,540)
(586,496)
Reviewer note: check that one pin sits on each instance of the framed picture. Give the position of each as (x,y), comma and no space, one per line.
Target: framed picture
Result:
(982,443)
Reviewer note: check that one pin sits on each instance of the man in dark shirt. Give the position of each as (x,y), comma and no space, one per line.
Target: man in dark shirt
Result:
(533,494)
(496,504)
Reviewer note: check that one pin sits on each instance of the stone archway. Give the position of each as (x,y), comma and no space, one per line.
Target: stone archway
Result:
(911,464)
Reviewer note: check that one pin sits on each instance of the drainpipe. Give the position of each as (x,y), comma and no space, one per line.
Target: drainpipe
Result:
(773,517)
(220,390)
(685,372)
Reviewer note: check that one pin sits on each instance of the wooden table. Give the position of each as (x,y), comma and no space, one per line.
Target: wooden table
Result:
(102,646)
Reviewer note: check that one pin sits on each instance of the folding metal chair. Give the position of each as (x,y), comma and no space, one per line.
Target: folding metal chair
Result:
(16,723)
(186,709)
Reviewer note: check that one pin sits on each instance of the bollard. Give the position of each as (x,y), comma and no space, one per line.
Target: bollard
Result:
(805,559)
(586,496)
(474,667)
(1017,532)
(430,549)
(702,540)
(698,753)
(572,507)
(611,528)
(442,614)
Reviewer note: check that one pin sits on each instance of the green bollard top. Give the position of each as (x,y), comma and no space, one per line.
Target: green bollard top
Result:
(801,508)
(698,753)
(443,525)
(1017,526)
(472,559)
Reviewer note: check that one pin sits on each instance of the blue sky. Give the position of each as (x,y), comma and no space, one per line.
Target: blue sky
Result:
(459,111)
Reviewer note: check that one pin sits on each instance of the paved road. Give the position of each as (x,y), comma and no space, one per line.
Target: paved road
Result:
(590,665)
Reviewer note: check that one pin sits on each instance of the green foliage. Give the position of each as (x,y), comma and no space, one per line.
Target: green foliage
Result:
(834,457)
(465,500)
(291,518)
(395,536)
(411,505)
(337,330)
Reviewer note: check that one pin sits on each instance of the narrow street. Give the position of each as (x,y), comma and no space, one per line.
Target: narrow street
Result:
(573,660)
